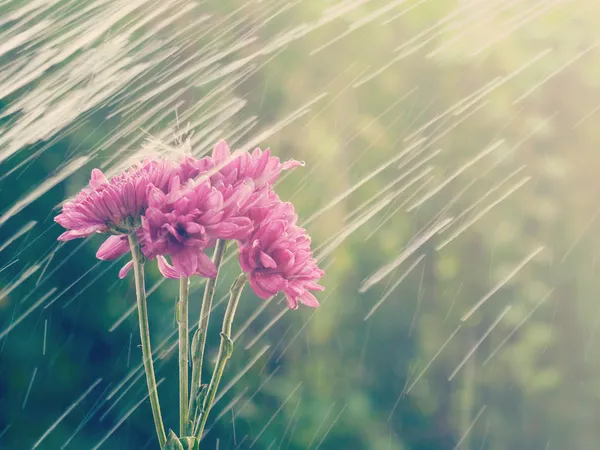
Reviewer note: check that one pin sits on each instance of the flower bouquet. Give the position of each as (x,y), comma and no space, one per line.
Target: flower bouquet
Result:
(172,212)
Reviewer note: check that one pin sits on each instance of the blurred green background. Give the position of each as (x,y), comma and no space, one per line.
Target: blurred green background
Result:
(390,104)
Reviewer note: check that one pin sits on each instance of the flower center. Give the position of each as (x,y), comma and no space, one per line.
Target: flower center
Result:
(181,230)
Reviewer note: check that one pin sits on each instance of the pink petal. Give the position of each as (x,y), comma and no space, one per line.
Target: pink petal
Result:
(237,228)
(182,205)
(271,232)
(290,164)
(97,178)
(270,282)
(221,152)
(206,268)
(129,196)
(284,258)
(175,184)
(238,197)
(185,261)
(213,199)
(173,231)
(193,228)
(156,198)
(261,159)
(267,261)
(308,299)
(155,217)
(113,247)
(292,301)
(311,285)
(258,290)
(193,242)
(125,269)
(165,268)
(204,164)
(244,258)
(140,192)
(85,232)
(244,162)
(254,255)
(272,171)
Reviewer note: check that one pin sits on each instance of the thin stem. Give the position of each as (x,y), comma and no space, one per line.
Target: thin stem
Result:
(184,351)
(199,340)
(140,290)
(225,350)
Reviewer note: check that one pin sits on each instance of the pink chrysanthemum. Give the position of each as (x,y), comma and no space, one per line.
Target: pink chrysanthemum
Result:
(227,173)
(277,257)
(186,221)
(259,166)
(192,168)
(179,211)
(113,205)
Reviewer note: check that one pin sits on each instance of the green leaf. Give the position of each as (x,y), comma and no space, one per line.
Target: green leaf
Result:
(195,343)
(228,345)
(202,391)
(178,312)
(173,442)
(189,443)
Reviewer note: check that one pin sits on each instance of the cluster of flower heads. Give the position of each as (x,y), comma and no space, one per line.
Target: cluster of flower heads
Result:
(180,209)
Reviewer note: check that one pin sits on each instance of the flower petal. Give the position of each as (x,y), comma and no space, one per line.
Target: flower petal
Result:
(291,163)
(267,261)
(97,178)
(185,261)
(193,228)
(155,217)
(125,269)
(166,269)
(311,285)
(221,152)
(292,301)
(270,282)
(283,258)
(206,268)
(308,299)
(85,232)
(258,290)
(235,228)
(113,247)
(156,197)
(244,258)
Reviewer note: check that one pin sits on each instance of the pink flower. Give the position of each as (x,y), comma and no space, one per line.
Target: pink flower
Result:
(227,173)
(190,167)
(186,221)
(113,205)
(277,257)
(113,247)
(180,210)
(262,168)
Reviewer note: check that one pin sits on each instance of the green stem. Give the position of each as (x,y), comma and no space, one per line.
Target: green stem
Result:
(140,290)
(225,350)
(184,351)
(199,340)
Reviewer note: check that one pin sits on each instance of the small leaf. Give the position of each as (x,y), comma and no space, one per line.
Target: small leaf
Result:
(173,442)
(195,343)
(178,311)
(189,443)
(202,391)
(228,345)
(196,409)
